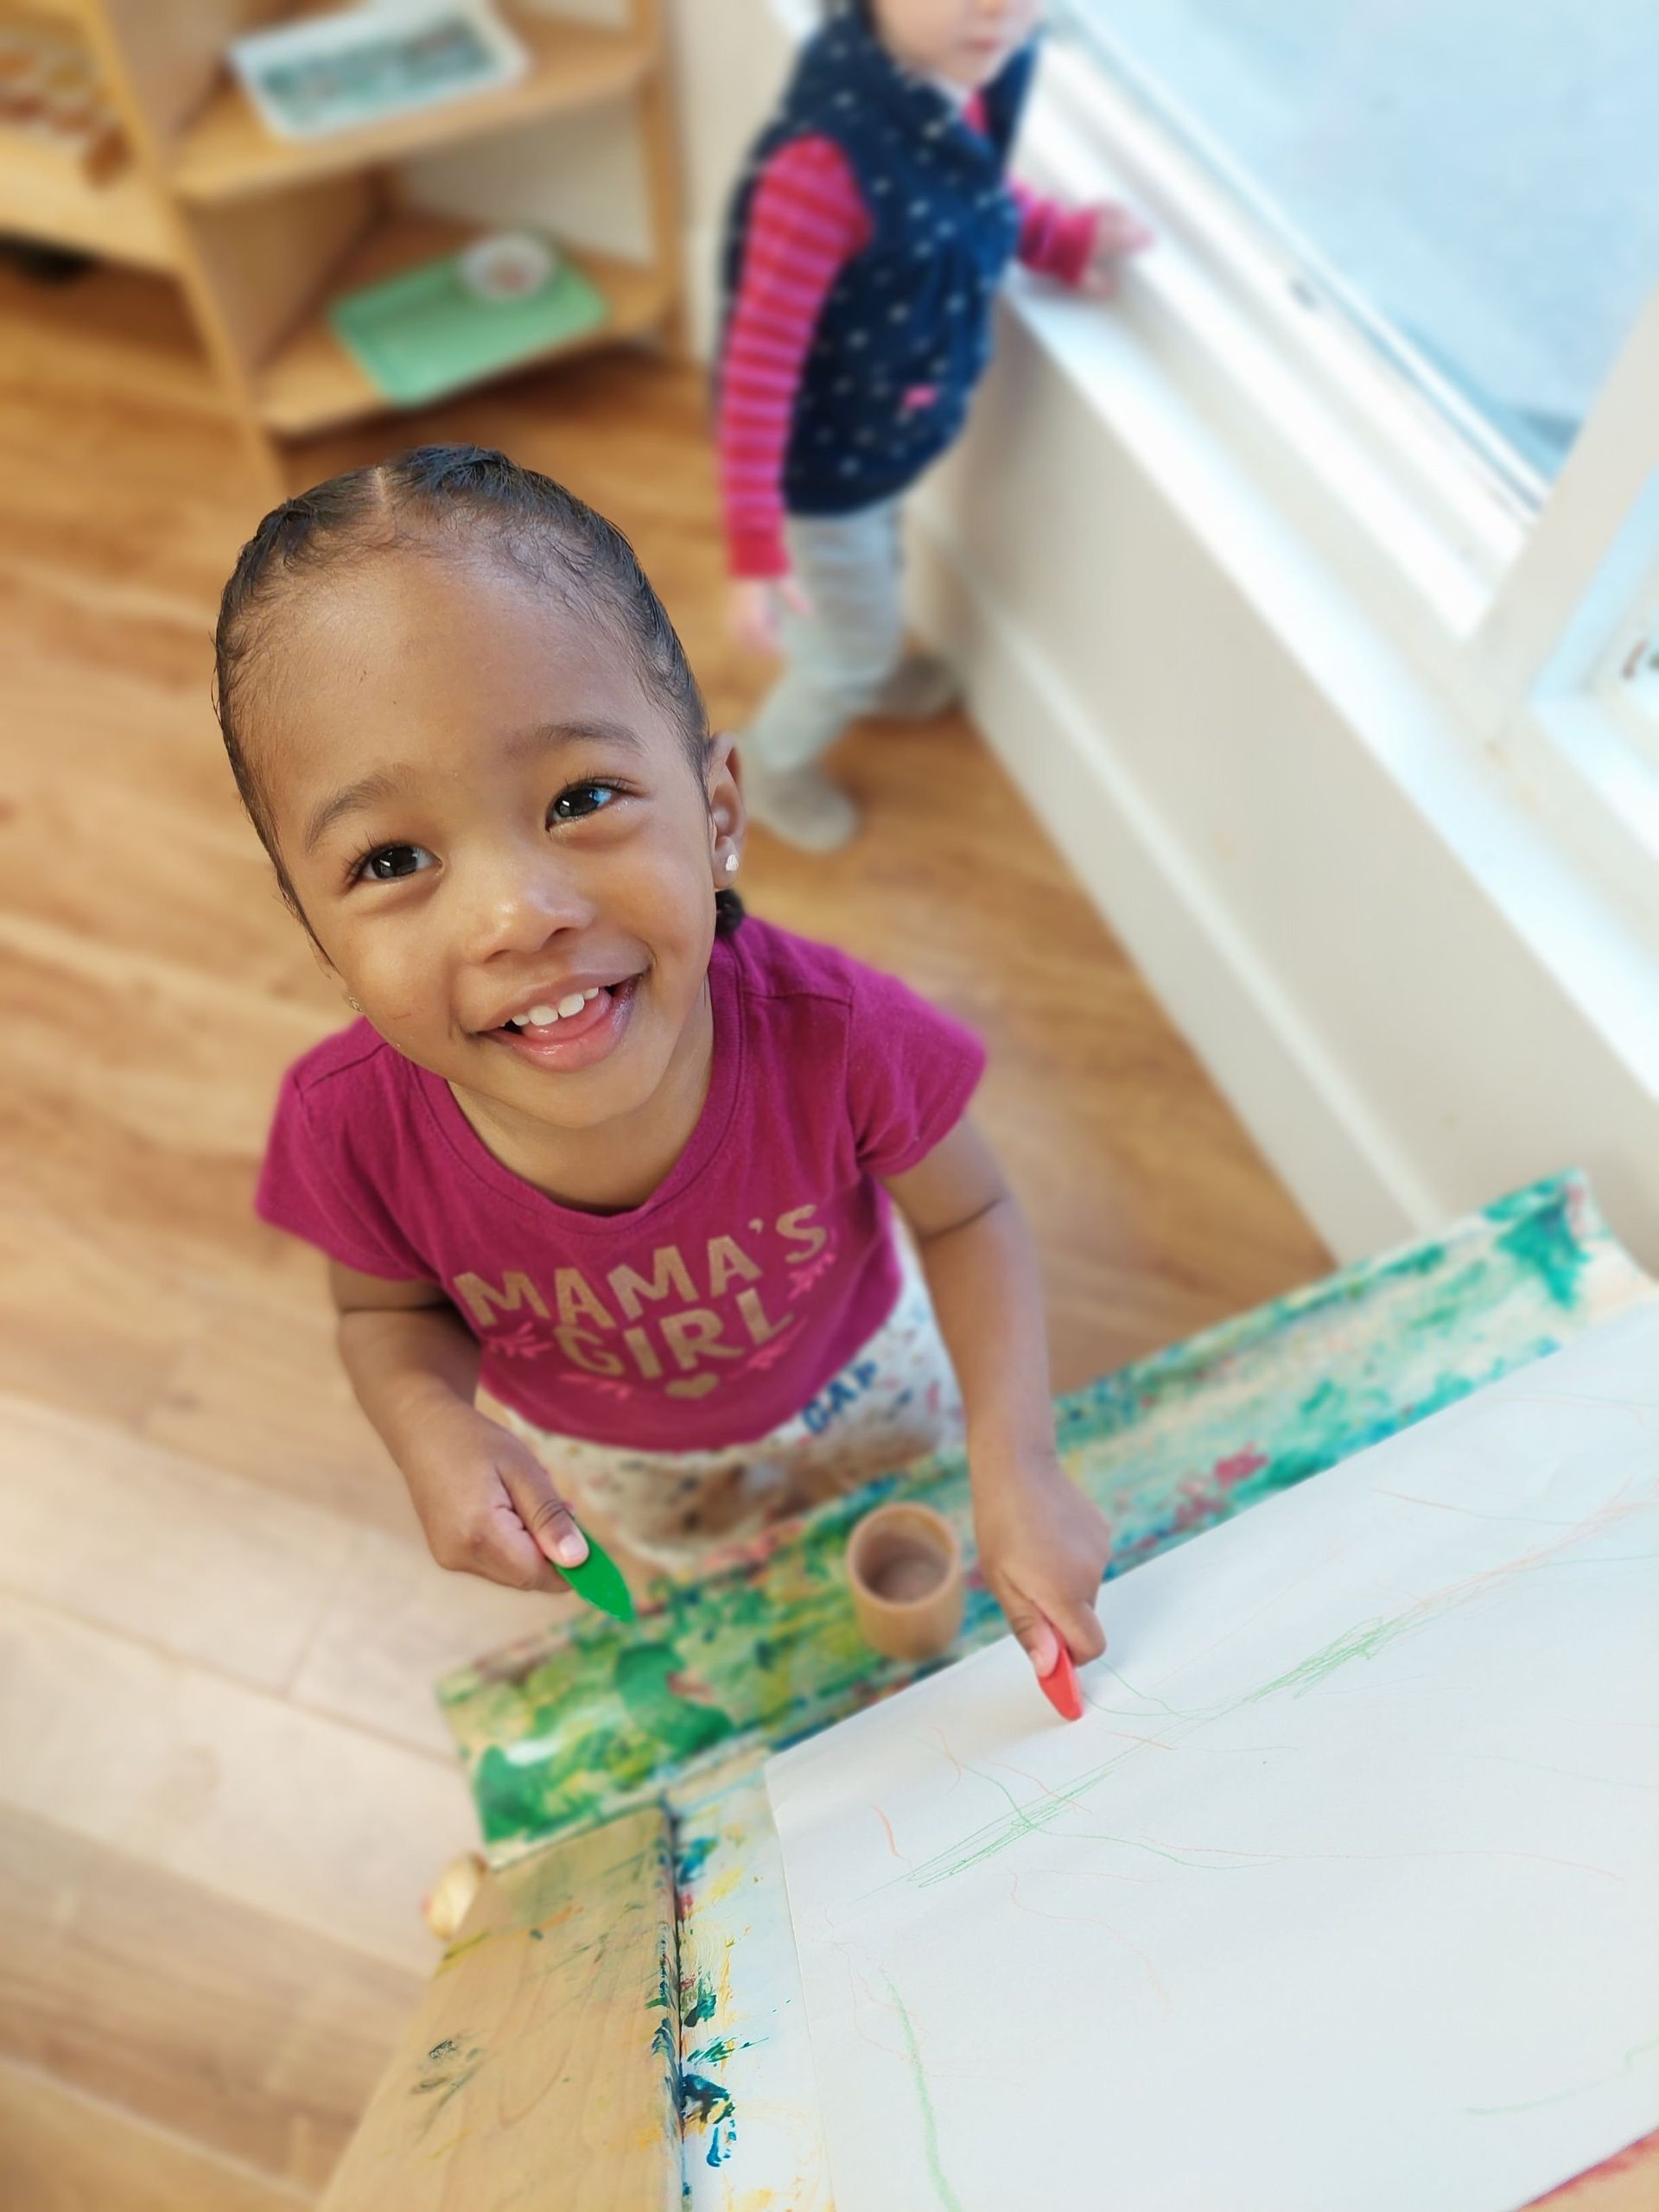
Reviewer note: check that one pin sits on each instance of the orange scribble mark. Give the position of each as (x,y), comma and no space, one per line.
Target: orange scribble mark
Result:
(892,1840)
(945,1747)
(1091,1920)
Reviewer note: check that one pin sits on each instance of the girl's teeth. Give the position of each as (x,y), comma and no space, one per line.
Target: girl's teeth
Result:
(544,1017)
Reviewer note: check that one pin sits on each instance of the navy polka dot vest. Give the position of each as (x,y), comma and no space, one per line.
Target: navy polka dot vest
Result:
(905,332)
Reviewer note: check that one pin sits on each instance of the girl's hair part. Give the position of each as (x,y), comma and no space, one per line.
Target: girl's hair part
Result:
(453,498)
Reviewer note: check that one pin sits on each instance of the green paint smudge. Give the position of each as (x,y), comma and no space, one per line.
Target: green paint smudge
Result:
(1544,1240)
(707,2104)
(700,2004)
(692,1857)
(679,1724)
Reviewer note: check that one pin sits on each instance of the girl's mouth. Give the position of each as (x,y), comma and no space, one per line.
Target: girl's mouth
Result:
(576,1040)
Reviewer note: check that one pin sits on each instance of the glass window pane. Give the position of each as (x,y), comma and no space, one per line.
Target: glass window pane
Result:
(1481,180)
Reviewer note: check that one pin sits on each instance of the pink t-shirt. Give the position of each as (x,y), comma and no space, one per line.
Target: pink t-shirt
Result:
(720,1307)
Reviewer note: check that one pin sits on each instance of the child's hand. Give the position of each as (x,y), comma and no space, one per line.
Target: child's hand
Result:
(489,1507)
(753,616)
(1044,1549)
(1119,234)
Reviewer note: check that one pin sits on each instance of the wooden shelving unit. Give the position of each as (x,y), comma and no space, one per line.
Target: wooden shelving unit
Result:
(259,234)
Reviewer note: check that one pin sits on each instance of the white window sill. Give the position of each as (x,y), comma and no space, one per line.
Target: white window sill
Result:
(1369,599)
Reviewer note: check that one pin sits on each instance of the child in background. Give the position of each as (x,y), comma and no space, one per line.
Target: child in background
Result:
(863,252)
(600,1143)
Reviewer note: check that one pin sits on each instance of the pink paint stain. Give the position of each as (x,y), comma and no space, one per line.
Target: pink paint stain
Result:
(1238,1466)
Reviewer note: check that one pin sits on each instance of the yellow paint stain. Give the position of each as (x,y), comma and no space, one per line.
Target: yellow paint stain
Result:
(749,2200)
(459,1950)
(443,2149)
(723,1982)
(722,1886)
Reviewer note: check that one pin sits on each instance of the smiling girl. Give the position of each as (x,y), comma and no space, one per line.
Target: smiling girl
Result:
(605,1171)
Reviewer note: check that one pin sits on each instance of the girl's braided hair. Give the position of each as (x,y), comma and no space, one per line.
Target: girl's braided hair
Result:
(461,496)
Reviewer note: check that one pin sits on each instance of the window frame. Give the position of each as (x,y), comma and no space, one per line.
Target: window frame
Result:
(1586,592)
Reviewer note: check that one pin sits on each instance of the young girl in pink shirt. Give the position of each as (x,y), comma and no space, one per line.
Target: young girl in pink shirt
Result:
(605,1171)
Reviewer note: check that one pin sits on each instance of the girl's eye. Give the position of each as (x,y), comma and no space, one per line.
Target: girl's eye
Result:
(580,800)
(390,863)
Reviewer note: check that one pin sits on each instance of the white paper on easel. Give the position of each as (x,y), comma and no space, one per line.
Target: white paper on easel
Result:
(1343,1895)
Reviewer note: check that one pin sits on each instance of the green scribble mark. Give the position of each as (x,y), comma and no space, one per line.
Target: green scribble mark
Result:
(1565,2096)
(941,2188)
(679,1724)
(1364,1642)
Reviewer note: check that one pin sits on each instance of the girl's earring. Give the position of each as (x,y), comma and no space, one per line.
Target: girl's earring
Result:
(353,1004)
(731,864)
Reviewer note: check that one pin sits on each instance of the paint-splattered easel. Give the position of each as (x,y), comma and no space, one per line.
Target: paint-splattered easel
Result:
(500,2094)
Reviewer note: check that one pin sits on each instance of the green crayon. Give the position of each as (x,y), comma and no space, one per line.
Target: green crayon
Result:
(599,1580)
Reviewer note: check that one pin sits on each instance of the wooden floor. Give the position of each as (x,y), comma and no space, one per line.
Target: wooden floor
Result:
(222,1785)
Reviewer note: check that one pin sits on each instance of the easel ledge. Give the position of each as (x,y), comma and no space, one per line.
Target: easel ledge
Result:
(542,2067)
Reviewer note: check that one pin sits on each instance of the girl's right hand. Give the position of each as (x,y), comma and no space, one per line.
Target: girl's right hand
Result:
(489,1507)
(752,614)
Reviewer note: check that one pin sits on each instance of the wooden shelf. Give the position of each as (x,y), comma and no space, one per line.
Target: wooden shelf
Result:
(44,197)
(227,153)
(312,384)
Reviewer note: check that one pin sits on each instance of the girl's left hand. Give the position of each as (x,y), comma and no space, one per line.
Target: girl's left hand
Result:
(1119,233)
(1044,1549)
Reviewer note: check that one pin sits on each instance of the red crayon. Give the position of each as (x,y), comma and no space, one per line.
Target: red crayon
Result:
(1060,1685)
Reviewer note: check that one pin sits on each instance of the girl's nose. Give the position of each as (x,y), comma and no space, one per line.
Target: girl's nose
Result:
(518,900)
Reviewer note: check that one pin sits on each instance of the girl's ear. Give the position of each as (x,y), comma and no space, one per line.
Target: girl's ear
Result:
(722,783)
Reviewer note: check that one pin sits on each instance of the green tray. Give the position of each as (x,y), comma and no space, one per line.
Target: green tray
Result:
(425,332)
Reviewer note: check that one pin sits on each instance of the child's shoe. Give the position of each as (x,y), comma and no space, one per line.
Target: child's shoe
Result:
(802,807)
(920,687)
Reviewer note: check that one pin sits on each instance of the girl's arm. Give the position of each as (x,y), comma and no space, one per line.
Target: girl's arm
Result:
(1055,240)
(487,1503)
(1043,1546)
(806,220)
(1083,247)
